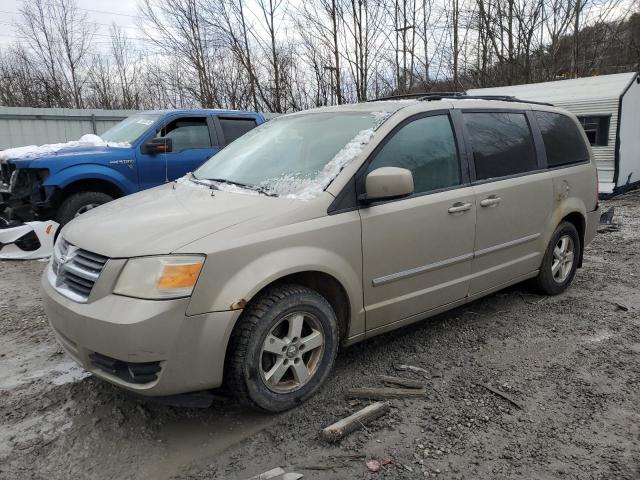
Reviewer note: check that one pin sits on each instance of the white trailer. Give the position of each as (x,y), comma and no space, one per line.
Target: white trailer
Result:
(608,106)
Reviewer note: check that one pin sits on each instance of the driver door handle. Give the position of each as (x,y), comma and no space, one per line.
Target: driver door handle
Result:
(459,207)
(490,201)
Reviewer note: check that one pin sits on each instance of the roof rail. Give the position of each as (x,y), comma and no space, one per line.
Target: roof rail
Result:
(501,98)
(431,96)
(418,95)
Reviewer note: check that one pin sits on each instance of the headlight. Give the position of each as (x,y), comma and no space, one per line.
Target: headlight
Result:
(159,278)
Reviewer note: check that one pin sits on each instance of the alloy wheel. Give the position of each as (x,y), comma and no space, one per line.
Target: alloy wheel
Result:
(291,352)
(563,257)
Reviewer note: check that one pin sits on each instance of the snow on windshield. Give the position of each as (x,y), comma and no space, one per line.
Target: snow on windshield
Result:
(288,162)
(290,186)
(34,151)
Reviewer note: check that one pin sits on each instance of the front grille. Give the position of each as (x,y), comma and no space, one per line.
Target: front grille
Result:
(130,372)
(74,271)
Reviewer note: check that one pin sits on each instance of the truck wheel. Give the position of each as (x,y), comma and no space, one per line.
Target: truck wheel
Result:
(560,260)
(282,348)
(79,203)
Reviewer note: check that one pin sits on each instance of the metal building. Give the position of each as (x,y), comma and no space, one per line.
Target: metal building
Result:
(20,126)
(608,106)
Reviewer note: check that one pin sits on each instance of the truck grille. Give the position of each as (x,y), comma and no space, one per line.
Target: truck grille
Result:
(74,271)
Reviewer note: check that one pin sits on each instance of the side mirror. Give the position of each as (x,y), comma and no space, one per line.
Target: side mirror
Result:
(387,183)
(157,145)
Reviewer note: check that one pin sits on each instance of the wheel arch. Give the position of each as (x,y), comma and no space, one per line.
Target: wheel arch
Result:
(321,282)
(91,185)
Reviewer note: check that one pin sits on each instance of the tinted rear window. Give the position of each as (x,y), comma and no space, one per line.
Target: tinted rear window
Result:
(235,127)
(563,141)
(501,142)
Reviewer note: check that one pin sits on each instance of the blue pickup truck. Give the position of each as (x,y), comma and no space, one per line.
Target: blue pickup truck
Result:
(143,151)
(41,187)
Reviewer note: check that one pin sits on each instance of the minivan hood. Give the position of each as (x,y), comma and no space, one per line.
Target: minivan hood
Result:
(163,219)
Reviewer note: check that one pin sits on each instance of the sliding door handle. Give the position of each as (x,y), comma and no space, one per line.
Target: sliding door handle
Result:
(490,201)
(460,207)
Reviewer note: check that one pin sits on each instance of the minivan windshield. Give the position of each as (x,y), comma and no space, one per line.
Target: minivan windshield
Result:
(296,156)
(130,129)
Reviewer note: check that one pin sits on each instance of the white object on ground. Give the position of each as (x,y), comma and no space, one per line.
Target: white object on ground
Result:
(34,151)
(45,231)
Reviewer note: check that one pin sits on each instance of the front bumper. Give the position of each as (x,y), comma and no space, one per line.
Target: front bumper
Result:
(26,241)
(189,350)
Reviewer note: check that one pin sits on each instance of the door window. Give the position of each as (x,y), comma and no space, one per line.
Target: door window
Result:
(427,147)
(233,128)
(501,142)
(187,133)
(563,141)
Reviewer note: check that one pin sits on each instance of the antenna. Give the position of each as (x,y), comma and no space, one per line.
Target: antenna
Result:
(166,163)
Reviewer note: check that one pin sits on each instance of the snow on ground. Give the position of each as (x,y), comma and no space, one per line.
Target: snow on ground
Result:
(34,151)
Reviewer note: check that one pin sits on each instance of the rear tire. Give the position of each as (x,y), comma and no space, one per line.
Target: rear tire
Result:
(282,348)
(79,203)
(560,260)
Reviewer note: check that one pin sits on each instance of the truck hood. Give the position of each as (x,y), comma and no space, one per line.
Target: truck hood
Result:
(160,220)
(67,157)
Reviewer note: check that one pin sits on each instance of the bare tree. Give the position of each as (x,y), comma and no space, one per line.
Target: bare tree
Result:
(59,37)
(179,29)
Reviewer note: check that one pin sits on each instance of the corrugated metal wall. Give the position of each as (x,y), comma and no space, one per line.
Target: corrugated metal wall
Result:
(36,126)
(605,156)
(20,126)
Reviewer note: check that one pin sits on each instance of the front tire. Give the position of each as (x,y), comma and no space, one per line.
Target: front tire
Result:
(79,203)
(560,260)
(282,349)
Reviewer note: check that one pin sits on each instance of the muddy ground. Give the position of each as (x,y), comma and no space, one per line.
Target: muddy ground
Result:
(571,363)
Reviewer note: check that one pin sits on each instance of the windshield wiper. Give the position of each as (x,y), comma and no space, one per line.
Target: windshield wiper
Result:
(195,179)
(255,188)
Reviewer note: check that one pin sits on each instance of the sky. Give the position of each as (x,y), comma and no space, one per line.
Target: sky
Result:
(103,13)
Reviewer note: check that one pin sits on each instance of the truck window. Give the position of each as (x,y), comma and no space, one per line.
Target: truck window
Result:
(427,147)
(562,140)
(501,142)
(233,128)
(187,133)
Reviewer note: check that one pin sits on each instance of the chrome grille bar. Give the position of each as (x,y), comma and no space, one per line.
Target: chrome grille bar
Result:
(74,271)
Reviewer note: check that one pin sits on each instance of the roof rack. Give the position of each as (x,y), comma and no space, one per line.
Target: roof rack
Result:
(501,98)
(418,95)
(431,96)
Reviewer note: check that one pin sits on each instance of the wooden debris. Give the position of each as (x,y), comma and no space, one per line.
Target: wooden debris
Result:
(410,368)
(334,462)
(385,393)
(622,306)
(403,382)
(501,394)
(353,422)
(277,474)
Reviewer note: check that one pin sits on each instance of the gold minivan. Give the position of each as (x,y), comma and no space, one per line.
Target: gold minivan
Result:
(317,230)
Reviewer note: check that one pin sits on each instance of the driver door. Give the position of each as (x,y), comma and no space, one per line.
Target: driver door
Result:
(193,141)
(417,251)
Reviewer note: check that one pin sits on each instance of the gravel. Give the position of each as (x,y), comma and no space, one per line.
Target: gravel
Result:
(571,362)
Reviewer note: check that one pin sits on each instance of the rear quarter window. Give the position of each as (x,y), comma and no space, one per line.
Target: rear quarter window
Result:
(501,142)
(563,140)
